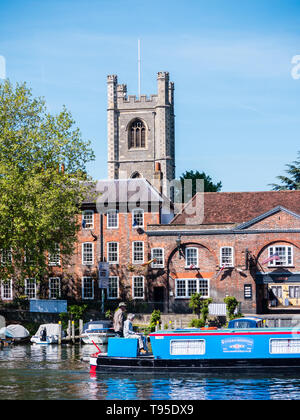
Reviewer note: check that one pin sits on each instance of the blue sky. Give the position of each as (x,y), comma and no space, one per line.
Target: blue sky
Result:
(236,102)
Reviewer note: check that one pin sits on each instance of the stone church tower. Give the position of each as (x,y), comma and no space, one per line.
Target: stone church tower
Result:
(141,133)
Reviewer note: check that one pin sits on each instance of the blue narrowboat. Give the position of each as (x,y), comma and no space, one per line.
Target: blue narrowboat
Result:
(201,350)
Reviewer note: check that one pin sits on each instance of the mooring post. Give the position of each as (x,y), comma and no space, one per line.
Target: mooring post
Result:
(69,328)
(80,326)
(59,332)
(73,332)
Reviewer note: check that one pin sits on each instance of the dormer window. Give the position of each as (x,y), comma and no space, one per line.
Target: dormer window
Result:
(137,135)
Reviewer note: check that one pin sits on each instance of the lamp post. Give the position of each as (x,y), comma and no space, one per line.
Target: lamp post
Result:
(178,243)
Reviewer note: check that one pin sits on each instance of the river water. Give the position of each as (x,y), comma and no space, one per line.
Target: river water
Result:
(33,372)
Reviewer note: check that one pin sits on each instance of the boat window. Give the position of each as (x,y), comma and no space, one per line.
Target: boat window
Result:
(242,324)
(285,346)
(187,347)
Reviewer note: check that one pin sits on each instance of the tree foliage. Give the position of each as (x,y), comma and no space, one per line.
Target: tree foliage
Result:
(208,184)
(42,182)
(291,182)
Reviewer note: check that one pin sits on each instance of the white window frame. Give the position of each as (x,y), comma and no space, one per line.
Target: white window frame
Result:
(57,286)
(281,263)
(83,253)
(115,213)
(156,264)
(6,285)
(55,255)
(284,346)
(199,288)
(189,248)
(294,291)
(90,224)
(133,218)
(134,288)
(109,296)
(229,257)
(6,256)
(109,252)
(28,289)
(187,347)
(83,287)
(135,261)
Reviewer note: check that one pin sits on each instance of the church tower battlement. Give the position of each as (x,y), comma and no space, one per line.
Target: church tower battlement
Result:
(141,133)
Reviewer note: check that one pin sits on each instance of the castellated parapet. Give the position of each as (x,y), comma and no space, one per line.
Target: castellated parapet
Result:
(141,132)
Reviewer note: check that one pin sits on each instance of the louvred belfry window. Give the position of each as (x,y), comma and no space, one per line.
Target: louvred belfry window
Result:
(137,135)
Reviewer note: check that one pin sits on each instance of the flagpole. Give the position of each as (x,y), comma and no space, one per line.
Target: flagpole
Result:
(139,68)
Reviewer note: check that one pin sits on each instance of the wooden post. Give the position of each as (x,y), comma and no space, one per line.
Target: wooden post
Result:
(59,332)
(69,329)
(73,332)
(80,326)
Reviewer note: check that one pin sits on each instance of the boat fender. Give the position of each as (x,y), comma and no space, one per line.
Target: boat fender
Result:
(209,328)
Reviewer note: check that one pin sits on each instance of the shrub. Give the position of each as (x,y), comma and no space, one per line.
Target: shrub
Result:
(197,323)
(231,305)
(155,318)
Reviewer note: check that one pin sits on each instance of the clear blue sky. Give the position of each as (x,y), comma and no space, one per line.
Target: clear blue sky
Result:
(237,105)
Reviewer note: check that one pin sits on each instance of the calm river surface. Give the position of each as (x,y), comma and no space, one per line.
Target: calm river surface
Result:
(32,372)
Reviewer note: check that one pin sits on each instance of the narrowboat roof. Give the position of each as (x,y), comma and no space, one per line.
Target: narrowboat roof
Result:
(221,331)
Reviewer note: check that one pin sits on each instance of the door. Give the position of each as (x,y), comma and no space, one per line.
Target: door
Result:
(158,298)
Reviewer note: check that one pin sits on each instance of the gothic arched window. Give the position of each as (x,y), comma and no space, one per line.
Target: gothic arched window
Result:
(137,135)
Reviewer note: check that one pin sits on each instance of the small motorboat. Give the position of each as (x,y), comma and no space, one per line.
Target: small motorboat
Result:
(46,334)
(14,334)
(97,332)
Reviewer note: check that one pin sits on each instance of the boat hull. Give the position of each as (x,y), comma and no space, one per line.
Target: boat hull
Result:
(148,364)
(49,340)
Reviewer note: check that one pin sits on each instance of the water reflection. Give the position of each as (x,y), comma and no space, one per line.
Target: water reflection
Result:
(62,372)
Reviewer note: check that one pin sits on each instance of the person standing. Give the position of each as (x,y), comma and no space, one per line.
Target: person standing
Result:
(119,319)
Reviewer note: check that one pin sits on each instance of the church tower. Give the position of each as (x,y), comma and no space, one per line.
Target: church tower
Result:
(141,133)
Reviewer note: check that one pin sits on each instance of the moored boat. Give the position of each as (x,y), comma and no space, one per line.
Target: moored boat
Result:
(46,334)
(202,350)
(97,332)
(15,334)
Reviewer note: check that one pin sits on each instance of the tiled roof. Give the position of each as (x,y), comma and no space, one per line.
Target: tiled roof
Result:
(124,191)
(237,207)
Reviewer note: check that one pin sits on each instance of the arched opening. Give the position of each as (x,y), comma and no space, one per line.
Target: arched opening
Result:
(137,134)
(136,175)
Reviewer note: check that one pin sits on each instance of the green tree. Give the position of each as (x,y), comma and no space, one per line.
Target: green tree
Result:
(200,305)
(42,183)
(231,305)
(208,184)
(293,181)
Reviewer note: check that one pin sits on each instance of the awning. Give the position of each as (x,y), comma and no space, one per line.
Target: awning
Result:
(266,278)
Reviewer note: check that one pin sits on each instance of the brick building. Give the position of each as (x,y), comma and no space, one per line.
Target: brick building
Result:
(242,244)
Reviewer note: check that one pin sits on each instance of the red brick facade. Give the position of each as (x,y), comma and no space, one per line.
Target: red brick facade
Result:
(162,265)
(249,244)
